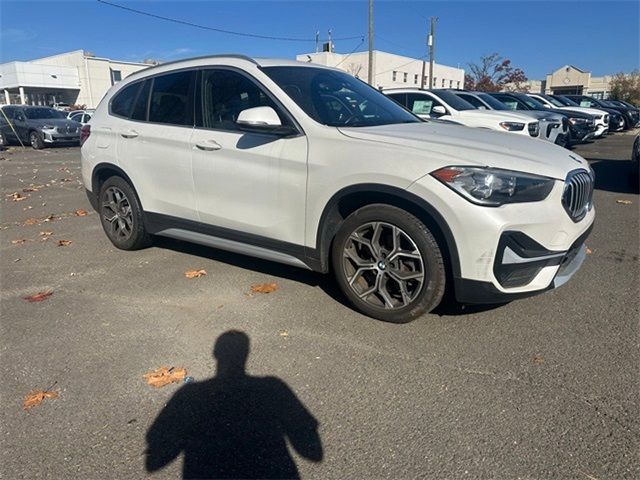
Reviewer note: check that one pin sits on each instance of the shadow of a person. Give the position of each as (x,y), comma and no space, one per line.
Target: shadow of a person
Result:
(233,425)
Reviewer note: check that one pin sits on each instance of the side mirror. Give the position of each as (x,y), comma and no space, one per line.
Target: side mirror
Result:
(439,110)
(262,120)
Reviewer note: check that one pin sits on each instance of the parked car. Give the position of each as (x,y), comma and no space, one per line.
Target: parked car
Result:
(445,105)
(581,125)
(629,111)
(309,166)
(630,116)
(600,117)
(635,159)
(616,122)
(553,127)
(63,107)
(38,126)
(80,116)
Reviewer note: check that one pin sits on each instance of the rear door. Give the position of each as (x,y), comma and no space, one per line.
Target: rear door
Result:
(153,147)
(252,183)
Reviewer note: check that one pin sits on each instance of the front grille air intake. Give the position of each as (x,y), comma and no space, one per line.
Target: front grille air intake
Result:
(577,198)
(534,129)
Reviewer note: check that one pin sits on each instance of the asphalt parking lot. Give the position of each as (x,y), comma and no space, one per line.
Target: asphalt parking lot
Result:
(545,387)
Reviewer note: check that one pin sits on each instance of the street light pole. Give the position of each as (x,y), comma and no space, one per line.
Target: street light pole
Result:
(432,47)
(370,72)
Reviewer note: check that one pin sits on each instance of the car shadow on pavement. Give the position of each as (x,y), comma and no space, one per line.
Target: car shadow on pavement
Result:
(233,425)
(614,175)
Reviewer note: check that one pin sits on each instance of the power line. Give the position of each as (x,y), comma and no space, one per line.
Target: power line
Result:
(400,66)
(218,30)
(350,53)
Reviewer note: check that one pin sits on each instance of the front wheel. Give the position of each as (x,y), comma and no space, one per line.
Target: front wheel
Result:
(121,215)
(388,264)
(36,140)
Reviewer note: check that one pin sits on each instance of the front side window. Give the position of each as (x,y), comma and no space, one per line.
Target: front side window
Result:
(77,117)
(337,99)
(421,104)
(512,102)
(225,93)
(473,100)
(122,103)
(171,99)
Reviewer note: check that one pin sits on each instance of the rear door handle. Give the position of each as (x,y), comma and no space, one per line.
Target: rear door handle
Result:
(208,145)
(129,134)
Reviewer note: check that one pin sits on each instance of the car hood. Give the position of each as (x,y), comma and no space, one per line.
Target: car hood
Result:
(540,114)
(53,122)
(460,145)
(590,111)
(496,115)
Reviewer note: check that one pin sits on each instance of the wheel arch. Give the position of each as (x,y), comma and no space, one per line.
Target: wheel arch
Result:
(351,198)
(103,171)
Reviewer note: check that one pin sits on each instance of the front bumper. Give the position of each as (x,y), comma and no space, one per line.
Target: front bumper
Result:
(512,251)
(54,137)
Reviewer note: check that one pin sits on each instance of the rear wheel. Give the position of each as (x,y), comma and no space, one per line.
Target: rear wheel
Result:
(121,215)
(388,264)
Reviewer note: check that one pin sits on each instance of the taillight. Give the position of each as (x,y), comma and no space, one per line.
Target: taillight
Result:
(85,132)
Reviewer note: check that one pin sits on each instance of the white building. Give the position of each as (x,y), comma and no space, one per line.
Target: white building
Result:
(76,78)
(390,70)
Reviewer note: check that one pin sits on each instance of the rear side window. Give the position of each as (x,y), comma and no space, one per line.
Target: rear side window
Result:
(122,103)
(140,106)
(172,99)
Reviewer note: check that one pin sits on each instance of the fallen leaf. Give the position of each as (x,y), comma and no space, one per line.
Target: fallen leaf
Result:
(36,397)
(624,202)
(45,235)
(50,218)
(16,197)
(65,179)
(588,251)
(264,288)
(195,273)
(284,334)
(19,241)
(39,297)
(81,213)
(29,189)
(164,376)
(538,359)
(31,221)
(64,243)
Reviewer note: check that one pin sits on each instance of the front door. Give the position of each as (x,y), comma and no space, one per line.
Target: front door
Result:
(251,183)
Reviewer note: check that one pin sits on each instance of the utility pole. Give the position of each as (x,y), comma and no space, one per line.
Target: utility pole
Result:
(423,67)
(370,72)
(317,41)
(432,47)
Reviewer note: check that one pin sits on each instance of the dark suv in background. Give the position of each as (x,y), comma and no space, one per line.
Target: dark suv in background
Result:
(630,116)
(37,126)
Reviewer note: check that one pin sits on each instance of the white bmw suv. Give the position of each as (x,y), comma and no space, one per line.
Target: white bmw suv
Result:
(309,166)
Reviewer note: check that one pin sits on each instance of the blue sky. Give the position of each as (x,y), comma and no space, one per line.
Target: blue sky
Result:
(598,36)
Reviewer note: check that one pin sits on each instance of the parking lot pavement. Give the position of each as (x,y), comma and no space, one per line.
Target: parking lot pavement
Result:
(545,387)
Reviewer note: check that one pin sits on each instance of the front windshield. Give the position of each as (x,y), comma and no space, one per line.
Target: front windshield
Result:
(38,113)
(494,103)
(566,101)
(337,99)
(553,101)
(453,100)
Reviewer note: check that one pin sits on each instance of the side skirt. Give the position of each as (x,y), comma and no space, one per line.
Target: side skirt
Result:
(231,240)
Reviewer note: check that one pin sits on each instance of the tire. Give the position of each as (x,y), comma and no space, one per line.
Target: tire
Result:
(36,140)
(364,258)
(121,215)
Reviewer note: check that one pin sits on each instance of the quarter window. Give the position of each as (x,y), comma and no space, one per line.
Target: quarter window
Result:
(224,94)
(170,99)
(140,107)
(122,103)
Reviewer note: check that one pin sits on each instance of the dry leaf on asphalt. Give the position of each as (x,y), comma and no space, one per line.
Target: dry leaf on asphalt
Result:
(64,243)
(589,251)
(164,376)
(50,218)
(31,221)
(39,297)
(81,213)
(45,235)
(195,273)
(19,241)
(16,197)
(36,397)
(538,359)
(264,288)
(624,202)
(284,334)
(29,189)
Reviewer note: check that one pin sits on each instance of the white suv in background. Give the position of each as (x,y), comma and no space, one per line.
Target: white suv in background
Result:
(445,105)
(600,117)
(553,127)
(309,166)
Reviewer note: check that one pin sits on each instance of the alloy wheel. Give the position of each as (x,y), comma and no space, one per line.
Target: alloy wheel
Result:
(116,211)
(383,265)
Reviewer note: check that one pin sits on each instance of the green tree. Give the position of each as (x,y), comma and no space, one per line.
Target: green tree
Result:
(493,74)
(626,86)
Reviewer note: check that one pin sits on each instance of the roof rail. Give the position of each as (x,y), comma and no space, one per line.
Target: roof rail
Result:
(221,55)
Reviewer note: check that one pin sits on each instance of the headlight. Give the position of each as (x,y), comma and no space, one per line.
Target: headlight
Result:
(493,186)
(578,121)
(512,126)
(47,127)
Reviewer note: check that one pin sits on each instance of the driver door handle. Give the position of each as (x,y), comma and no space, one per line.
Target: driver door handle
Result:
(129,134)
(208,145)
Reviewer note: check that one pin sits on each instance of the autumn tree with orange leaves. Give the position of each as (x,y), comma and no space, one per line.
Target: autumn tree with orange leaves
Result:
(494,74)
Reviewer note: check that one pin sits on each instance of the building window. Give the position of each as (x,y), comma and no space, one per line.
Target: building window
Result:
(394,77)
(443,83)
(458,83)
(415,79)
(435,82)
(450,83)
(116,76)
(405,76)
(426,80)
